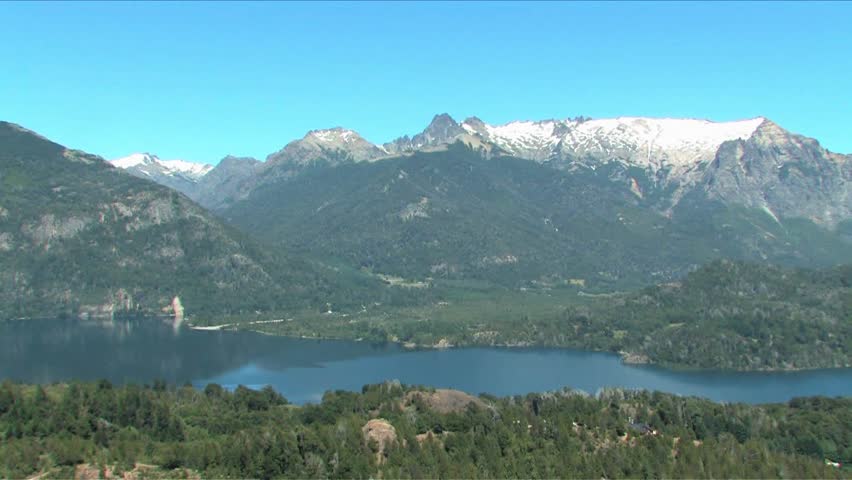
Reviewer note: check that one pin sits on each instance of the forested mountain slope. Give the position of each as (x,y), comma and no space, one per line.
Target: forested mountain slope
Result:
(459,213)
(78,236)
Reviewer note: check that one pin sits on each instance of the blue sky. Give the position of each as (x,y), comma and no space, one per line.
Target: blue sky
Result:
(198,80)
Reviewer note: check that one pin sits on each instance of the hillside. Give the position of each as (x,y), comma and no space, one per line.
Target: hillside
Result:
(549,202)
(80,237)
(459,214)
(731,315)
(725,315)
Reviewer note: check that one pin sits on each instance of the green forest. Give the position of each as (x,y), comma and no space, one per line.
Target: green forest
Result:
(395,431)
(724,315)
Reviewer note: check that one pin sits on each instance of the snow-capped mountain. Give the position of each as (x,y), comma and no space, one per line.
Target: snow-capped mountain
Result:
(151,164)
(753,162)
(178,174)
(672,144)
(661,160)
(670,152)
(647,142)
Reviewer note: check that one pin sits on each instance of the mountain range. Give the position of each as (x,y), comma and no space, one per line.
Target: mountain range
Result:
(546,202)
(331,218)
(754,163)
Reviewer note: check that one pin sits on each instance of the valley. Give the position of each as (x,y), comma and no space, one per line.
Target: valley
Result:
(425,240)
(447,239)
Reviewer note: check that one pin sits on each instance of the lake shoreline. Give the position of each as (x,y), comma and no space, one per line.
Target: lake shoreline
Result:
(627,358)
(148,350)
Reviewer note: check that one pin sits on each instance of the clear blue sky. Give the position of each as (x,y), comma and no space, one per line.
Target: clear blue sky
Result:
(198,81)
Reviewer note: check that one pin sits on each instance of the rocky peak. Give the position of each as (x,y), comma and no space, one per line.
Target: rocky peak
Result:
(443,129)
(770,133)
(784,174)
(474,125)
(333,146)
(334,136)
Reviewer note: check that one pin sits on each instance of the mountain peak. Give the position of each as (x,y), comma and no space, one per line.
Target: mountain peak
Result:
(335,135)
(443,126)
(443,129)
(330,144)
(442,119)
(134,159)
(173,173)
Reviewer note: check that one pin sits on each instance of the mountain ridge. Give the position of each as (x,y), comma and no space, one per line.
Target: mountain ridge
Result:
(660,160)
(455,214)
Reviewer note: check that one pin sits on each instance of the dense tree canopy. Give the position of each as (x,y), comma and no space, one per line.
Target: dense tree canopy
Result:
(246,433)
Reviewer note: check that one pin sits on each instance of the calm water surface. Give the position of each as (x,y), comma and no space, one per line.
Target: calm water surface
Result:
(143,350)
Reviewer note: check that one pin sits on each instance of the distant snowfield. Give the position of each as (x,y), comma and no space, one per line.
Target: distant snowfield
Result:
(681,142)
(148,164)
(666,133)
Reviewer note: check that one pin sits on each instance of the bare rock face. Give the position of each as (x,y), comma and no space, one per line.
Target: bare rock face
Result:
(787,175)
(442,130)
(383,433)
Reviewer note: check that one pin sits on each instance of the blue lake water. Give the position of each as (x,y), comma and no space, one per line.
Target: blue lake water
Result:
(143,350)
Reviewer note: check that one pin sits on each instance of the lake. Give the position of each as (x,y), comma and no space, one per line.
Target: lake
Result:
(143,350)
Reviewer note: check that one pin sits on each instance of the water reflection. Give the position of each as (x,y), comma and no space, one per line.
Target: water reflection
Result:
(145,349)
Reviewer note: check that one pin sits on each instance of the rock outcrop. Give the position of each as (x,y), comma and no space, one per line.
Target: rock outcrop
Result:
(444,400)
(381,432)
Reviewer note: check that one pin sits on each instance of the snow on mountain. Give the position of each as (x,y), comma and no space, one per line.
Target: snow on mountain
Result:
(660,160)
(133,160)
(148,165)
(658,143)
(525,134)
(190,169)
(332,145)
(653,143)
(334,136)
